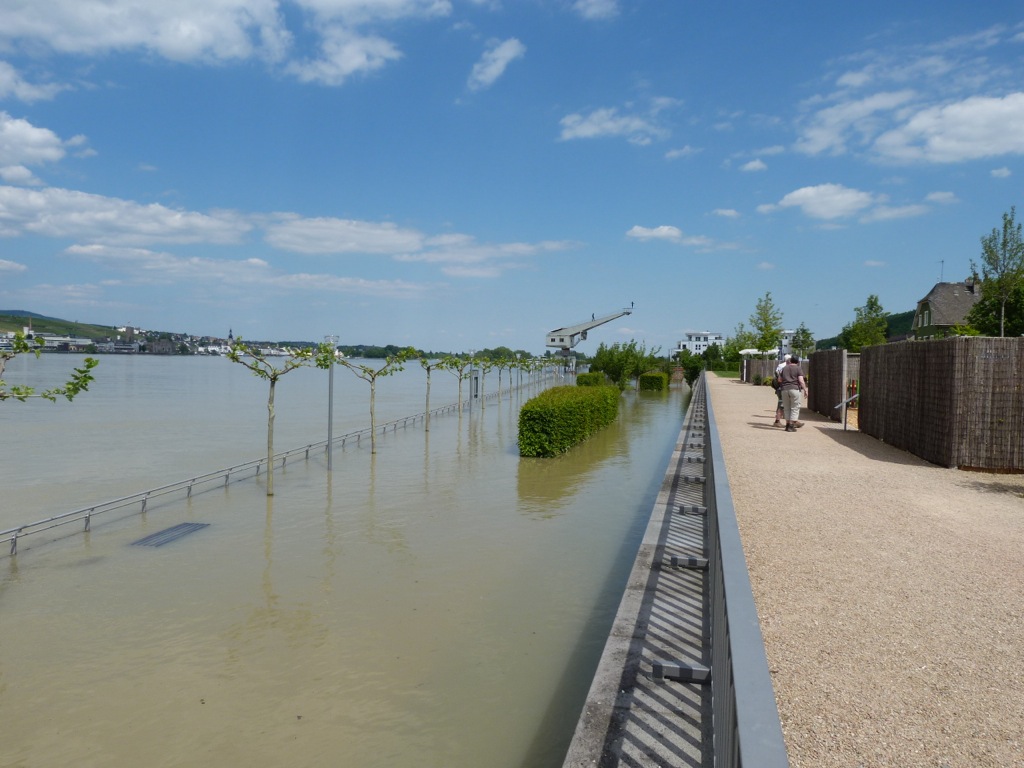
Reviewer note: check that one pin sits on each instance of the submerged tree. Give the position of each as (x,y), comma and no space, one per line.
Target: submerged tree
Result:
(428,365)
(458,367)
(1002,265)
(261,367)
(78,382)
(392,364)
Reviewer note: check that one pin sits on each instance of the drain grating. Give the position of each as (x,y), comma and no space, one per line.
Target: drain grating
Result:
(168,535)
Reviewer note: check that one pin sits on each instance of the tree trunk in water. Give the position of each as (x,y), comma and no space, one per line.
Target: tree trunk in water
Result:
(270,439)
(373,422)
(426,412)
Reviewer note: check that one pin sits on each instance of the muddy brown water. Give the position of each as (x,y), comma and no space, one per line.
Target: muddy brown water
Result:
(442,603)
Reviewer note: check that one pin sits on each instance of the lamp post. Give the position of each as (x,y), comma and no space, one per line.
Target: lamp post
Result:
(333,341)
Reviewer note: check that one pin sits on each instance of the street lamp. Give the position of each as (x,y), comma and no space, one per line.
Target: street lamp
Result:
(333,341)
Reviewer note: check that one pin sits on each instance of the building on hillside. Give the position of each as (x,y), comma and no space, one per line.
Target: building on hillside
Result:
(945,306)
(698,341)
(161,347)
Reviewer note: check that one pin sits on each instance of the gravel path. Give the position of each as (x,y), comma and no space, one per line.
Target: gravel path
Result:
(890,592)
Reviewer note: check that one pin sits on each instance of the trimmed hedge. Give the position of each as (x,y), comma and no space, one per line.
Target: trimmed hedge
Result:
(595,379)
(557,419)
(653,382)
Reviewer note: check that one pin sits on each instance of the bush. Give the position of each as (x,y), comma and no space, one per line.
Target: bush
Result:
(594,379)
(653,382)
(559,418)
(757,380)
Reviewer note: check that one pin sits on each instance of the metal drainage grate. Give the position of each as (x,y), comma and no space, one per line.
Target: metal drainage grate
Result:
(168,535)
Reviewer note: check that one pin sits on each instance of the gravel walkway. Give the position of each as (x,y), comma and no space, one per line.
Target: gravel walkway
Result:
(890,591)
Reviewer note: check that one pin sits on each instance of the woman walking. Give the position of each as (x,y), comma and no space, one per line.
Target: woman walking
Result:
(792,387)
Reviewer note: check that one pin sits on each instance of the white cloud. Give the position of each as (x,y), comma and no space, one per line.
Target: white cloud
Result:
(596,9)
(11,266)
(974,128)
(18,174)
(670,234)
(1001,173)
(765,266)
(827,201)
(874,264)
(830,130)
(888,212)
(211,31)
(344,53)
(943,198)
(463,256)
(754,165)
(728,213)
(331,235)
(54,212)
(146,267)
(663,232)
(185,30)
(13,85)
(608,122)
(675,154)
(494,62)
(22,143)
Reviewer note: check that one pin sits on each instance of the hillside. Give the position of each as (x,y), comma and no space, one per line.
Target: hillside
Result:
(897,325)
(16,319)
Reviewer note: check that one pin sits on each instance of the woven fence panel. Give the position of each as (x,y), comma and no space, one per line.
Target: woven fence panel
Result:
(827,383)
(990,406)
(953,402)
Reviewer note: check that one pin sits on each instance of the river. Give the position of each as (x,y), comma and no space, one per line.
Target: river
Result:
(441,603)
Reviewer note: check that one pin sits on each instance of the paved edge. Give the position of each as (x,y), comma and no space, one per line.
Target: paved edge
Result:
(626,712)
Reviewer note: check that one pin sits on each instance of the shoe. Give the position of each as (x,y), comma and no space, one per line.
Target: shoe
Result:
(790,428)
(798,424)
(777,423)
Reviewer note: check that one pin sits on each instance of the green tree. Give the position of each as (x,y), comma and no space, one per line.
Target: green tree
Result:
(624,362)
(1002,265)
(741,339)
(392,365)
(803,341)
(428,365)
(270,371)
(78,382)
(868,327)
(767,324)
(458,366)
(712,355)
(989,313)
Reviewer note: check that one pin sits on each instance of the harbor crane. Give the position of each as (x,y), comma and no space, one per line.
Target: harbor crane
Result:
(564,339)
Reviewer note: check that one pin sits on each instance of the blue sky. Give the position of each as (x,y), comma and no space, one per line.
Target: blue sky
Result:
(458,174)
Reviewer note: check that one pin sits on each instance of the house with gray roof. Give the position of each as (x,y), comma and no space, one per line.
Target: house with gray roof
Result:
(945,306)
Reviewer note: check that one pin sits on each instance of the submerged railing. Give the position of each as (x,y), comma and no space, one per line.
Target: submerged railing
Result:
(746,726)
(221,477)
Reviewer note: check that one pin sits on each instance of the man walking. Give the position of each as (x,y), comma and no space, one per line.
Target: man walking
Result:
(792,387)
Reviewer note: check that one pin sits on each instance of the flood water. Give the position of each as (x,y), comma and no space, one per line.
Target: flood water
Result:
(440,603)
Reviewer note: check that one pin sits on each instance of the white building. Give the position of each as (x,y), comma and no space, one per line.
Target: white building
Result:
(698,341)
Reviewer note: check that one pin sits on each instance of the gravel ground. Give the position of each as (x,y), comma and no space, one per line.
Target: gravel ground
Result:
(889,592)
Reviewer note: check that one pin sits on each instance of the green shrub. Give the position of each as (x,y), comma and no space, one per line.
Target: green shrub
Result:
(653,382)
(594,379)
(757,380)
(559,418)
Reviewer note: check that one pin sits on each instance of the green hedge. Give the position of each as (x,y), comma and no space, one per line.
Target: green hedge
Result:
(595,379)
(559,418)
(653,382)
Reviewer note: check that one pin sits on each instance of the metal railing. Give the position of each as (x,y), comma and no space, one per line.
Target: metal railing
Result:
(220,477)
(746,726)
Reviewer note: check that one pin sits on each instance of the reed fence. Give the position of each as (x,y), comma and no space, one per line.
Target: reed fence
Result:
(835,374)
(956,402)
